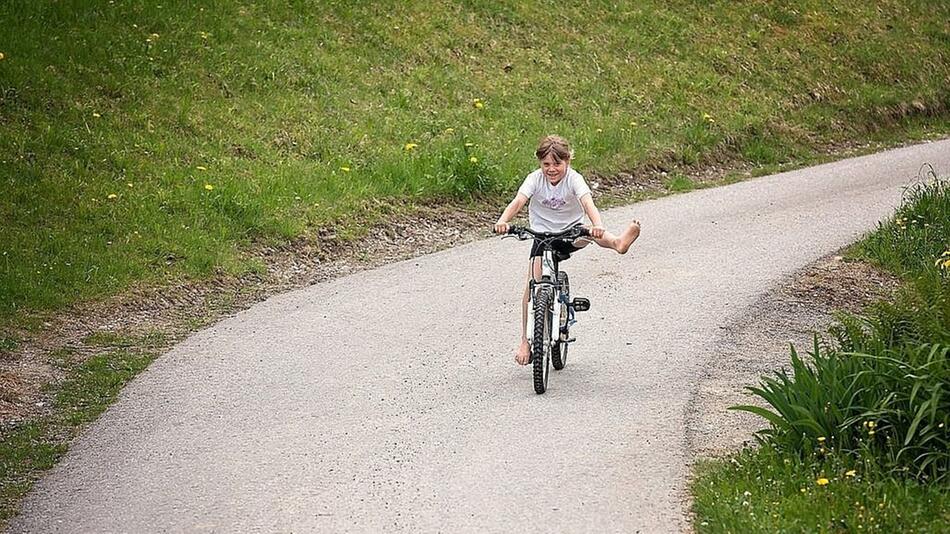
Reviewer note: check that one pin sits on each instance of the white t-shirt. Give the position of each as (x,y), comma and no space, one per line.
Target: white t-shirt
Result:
(554,208)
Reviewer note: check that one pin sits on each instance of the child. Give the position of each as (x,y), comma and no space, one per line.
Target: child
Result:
(559,199)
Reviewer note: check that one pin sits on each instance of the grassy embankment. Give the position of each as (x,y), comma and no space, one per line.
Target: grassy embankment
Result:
(142,142)
(859,436)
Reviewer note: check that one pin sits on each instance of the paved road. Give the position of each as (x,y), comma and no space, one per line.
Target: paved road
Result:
(389,401)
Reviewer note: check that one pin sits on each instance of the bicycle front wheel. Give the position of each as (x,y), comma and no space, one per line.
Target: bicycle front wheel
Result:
(541,342)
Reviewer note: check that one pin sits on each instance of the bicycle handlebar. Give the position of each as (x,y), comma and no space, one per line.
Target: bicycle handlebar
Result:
(573,232)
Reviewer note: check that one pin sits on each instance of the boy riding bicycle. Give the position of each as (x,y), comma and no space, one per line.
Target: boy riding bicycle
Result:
(559,198)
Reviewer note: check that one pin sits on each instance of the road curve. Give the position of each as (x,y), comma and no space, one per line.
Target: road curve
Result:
(389,401)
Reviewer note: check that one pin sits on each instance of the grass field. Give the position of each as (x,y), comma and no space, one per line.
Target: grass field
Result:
(143,141)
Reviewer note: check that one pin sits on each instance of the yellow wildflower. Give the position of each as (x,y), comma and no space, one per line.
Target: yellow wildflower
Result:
(469,145)
(209,187)
(851,473)
(822,481)
(821,439)
(600,130)
(112,196)
(96,115)
(201,168)
(345,169)
(410,146)
(1,56)
(473,159)
(708,118)
(129,184)
(450,130)
(205,35)
(478,103)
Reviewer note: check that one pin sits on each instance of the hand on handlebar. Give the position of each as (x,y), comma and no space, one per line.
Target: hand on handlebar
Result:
(501,228)
(596,232)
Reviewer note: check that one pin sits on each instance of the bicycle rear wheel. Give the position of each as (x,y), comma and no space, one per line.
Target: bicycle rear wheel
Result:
(559,341)
(542,341)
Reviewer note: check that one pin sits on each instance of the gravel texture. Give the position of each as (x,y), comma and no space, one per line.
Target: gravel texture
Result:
(388,400)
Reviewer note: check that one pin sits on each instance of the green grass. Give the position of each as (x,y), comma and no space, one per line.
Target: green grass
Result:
(868,412)
(679,183)
(765,491)
(36,446)
(144,141)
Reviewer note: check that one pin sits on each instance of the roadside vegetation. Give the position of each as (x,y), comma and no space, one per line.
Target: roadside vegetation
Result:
(859,429)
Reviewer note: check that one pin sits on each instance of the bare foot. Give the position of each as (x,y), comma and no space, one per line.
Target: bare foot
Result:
(524,353)
(628,237)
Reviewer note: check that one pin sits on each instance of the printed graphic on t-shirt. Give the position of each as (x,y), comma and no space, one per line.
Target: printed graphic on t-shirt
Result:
(553,202)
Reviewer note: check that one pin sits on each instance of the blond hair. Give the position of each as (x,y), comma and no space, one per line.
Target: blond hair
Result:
(556,146)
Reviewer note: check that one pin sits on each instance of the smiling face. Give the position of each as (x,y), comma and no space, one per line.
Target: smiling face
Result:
(554,169)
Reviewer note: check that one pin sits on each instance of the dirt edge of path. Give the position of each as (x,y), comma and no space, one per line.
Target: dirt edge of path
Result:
(757,342)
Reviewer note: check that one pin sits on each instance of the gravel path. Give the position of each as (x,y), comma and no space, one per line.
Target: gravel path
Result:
(389,401)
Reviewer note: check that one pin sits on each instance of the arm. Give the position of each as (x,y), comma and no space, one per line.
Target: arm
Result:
(513,208)
(597,225)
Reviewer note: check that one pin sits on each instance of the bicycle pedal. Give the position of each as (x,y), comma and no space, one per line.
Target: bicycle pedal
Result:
(580,304)
(573,339)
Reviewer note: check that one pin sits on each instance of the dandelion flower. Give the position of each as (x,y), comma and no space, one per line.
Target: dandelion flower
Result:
(469,145)
(209,187)
(822,481)
(205,35)
(851,473)
(478,103)
(600,130)
(821,439)
(450,130)
(410,146)
(1,56)
(112,196)
(96,115)
(201,168)
(345,169)
(129,184)
(708,118)
(473,159)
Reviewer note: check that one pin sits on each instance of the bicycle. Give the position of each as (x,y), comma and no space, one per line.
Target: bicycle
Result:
(553,287)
